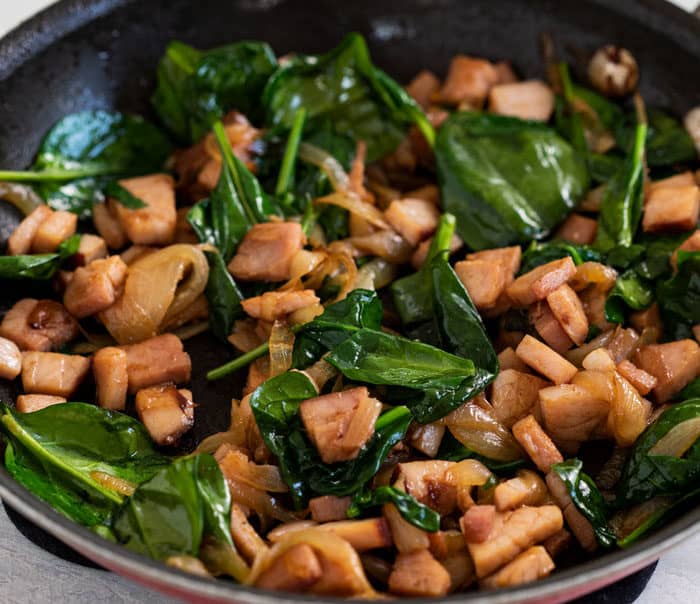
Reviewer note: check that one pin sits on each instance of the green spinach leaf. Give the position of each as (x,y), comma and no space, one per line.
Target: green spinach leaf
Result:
(630,291)
(412,510)
(679,297)
(223,296)
(125,197)
(38,266)
(540,253)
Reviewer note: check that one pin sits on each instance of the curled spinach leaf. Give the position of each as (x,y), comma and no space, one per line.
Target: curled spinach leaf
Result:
(38,266)
(412,510)
(679,297)
(630,291)
(540,253)
(496,181)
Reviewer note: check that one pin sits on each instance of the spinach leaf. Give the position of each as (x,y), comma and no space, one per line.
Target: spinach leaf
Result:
(84,151)
(540,253)
(223,296)
(170,513)
(587,498)
(453,450)
(646,475)
(38,266)
(602,167)
(679,297)
(621,202)
(630,291)
(196,88)
(275,406)
(361,308)
(344,88)
(123,196)
(412,510)
(506,180)
(55,452)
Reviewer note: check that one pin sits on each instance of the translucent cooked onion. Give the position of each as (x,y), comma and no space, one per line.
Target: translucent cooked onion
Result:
(375,274)
(328,164)
(220,558)
(347,577)
(22,197)
(158,288)
(280,532)
(629,413)
(188,564)
(600,276)
(353,203)
(477,429)
(577,355)
(468,473)
(264,477)
(386,244)
(678,439)
(281,348)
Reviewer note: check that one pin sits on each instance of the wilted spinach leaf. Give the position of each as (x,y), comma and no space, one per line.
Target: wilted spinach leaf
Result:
(540,253)
(679,297)
(630,291)
(223,296)
(125,197)
(506,180)
(38,266)
(412,510)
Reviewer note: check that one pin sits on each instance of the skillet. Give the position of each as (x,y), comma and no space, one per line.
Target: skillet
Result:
(88,54)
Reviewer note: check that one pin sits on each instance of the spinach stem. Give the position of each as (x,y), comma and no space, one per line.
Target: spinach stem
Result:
(57,175)
(443,236)
(290,153)
(579,139)
(310,217)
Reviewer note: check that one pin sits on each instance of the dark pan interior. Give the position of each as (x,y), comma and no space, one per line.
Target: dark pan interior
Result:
(86,54)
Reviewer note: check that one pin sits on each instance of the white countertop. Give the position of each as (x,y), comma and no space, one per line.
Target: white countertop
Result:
(33,575)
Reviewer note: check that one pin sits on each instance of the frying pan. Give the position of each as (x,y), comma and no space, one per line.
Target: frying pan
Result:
(88,54)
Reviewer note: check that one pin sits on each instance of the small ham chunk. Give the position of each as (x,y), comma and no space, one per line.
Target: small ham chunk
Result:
(38,325)
(579,525)
(514,395)
(527,488)
(536,443)
(328,508)
(477,522)
(543,359)
(427,438)
(278,304)
(297,569)
(414,219)
(156,361)
(95,287)
(468,80)
(20,242)
(541,281)
(671,209)
(642,381)
(578,229)
(568,310)
(423,87)
(508,257)
(53,373)
(340,423)
(53,231)
(529,100)
(684,179)
(571,412)
(91,248)
(549,328)
(10,359)
(109,366)
(267,251)
(108,226)
(28,403)
(484,280)
(533,564)
(363,535)
(154,224)
(418,574)
(513,533)
(428,482)
(166,412)
(507,359)
(674,365)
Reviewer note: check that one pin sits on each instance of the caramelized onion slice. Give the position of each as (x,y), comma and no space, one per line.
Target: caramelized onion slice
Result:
(678,439)
(328,164)
(281,348)
(353,203)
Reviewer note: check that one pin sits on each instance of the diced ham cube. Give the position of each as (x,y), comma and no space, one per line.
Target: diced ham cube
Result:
(529,100)
(513,533)
(28,403)
(549,328)
(154,224)
(296,570)
(20,241)
(340,423)
(514,395)
(53,231)
(423,87)
(427,438)
(418,574)
(53,373)
(544,360)
(533,564)
(684,179)
(578,229)
(38,325)
(166,412)
(267,251)
(674,365)
(477,523)
(91,248)
(10,359)
(468,80)
(507,359)
(567,308)
(271,306)
(579,525)
(328,508)
(109,366)
(156,361)
(671,209)
(536,443)
(484,280)
(208,176)
(572,412)
(508,257)
(541,281)
(108,226)
(643,382)
(414,219)
(428,482)
(95,287)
